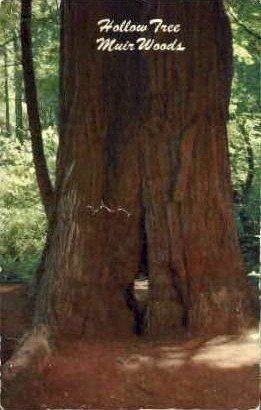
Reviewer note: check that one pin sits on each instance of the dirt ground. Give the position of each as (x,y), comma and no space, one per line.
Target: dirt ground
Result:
(219,373)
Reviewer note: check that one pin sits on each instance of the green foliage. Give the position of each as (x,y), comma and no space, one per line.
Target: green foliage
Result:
(22,219)
(45,32)
(245,124)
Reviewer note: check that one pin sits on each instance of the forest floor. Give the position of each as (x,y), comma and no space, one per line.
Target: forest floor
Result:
(218,373)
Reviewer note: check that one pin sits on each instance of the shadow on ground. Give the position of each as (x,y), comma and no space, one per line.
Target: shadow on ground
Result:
(221,373)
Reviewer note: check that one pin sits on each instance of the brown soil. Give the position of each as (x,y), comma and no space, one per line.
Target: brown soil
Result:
(219,373)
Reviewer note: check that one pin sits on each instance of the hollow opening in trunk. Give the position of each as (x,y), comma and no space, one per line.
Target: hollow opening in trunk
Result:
(136,293)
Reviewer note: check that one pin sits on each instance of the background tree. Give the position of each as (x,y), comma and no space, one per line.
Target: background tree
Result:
(18,86)
(6,79)
(40,163)
(23,223)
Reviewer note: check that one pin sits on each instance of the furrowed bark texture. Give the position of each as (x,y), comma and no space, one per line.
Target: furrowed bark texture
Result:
(144,133)
(86,266)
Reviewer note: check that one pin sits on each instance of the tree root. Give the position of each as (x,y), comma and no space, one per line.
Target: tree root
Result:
(30,356)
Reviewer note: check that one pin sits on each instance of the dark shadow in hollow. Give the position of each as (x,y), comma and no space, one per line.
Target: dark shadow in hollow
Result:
(136,293)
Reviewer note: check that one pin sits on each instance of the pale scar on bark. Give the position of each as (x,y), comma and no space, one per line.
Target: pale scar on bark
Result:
(102,206)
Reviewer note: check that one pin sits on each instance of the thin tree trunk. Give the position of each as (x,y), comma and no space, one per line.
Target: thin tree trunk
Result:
(242,197)
(250,162)
(42,174)
(18,93)
(6,87)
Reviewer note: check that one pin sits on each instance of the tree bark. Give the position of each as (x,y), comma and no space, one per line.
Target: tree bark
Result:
(189,190)
(42,174)
(143,137)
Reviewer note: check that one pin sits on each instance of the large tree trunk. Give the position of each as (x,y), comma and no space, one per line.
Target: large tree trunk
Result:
(143,137)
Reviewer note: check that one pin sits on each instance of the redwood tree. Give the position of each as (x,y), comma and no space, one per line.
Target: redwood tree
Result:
(143,138)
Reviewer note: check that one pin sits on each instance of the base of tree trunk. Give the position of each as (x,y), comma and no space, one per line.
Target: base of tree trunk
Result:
(30,356)
(105,320)
(164,318)
(227,311)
